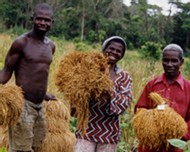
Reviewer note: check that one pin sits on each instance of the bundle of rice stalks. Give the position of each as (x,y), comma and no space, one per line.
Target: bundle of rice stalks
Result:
(154,127)
(57,115)
(58,142)
(80,76)
(4,140)
(58,136)
(11,104)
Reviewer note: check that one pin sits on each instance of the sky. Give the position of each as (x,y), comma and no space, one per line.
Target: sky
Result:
(162,3)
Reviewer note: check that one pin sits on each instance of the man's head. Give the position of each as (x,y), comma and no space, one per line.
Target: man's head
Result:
(43,7)
(172,60)
(42,17)
(114,47)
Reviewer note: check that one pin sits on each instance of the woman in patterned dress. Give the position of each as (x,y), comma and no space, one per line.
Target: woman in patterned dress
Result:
(103,130)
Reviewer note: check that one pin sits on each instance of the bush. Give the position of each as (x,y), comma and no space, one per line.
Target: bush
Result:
(151,50)
(186,68)
(81,46)
(3,149)
(17,30)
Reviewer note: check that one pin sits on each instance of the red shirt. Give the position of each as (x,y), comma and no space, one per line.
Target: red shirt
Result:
(178,93)
(103,124)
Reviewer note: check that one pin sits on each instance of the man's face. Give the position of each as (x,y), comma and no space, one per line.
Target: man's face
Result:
(114,52)
(171,63)
(42,20)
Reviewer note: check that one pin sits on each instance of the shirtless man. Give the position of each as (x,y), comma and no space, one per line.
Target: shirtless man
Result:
(29,57)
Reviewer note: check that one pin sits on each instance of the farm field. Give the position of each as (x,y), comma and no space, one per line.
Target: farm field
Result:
(141,71)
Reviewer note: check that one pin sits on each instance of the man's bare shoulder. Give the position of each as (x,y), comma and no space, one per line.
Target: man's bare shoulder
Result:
(21,40)
(50,42)
(19,43)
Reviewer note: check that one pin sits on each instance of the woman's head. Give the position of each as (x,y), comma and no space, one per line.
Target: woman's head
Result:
(114,48)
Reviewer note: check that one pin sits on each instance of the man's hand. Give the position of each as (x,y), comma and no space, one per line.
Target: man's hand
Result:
(49,97)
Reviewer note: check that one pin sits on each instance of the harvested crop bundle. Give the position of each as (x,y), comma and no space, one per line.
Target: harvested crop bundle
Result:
(57,110)
(57,116)
(80,76)
(58,142)
(154,127)
(4,141)
(11,104)
(58,136)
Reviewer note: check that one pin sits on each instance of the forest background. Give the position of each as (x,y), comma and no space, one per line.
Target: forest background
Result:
(82,25)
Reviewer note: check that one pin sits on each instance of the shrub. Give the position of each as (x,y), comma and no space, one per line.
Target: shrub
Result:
(3,149)
(81,46)
(151,50)
(186,68)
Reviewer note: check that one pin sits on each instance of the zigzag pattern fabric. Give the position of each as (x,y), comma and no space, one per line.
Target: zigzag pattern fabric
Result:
(104,125)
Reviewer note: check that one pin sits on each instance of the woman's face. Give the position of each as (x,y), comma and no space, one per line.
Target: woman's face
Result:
(114,52)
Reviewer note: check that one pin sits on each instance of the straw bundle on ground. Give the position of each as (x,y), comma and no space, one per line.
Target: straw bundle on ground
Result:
(57,115)
(11,104)
(58,136)
(82,75)
(154,127)
(58,142)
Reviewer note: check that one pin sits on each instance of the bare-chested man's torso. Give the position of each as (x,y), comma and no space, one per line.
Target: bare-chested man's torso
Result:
(31,71)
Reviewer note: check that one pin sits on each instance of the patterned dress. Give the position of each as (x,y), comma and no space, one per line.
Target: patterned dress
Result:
(104,123)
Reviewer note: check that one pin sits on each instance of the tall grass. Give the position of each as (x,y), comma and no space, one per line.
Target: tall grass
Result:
(140,70)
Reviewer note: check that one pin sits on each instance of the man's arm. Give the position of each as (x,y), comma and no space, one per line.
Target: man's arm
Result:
(49,96)
(11,61)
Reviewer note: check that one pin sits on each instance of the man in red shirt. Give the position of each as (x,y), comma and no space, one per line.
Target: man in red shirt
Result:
(172,86)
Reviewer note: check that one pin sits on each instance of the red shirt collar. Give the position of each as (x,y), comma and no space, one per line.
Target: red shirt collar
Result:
(179,80)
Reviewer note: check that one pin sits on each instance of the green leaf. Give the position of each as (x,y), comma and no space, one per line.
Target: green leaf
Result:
(3,149)
(178,143)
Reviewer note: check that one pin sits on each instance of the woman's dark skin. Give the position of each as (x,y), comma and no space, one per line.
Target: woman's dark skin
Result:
(29,58)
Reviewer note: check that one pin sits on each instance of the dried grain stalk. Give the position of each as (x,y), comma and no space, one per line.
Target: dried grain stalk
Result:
(11,104)
(58,142)
(57,116)
(4,141)
(58,136)
(154,127)
(80,76)
(62,112)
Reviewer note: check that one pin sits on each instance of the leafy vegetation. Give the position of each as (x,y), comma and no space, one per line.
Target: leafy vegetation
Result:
(93,21)
(151,50)
(183,145)
(3,149)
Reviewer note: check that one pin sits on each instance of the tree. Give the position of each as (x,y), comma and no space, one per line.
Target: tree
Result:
(181,34)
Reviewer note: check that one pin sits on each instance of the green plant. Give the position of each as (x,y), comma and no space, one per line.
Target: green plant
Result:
(151,50)
(187,67)
(81,46)
(180,144)
(3,149)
